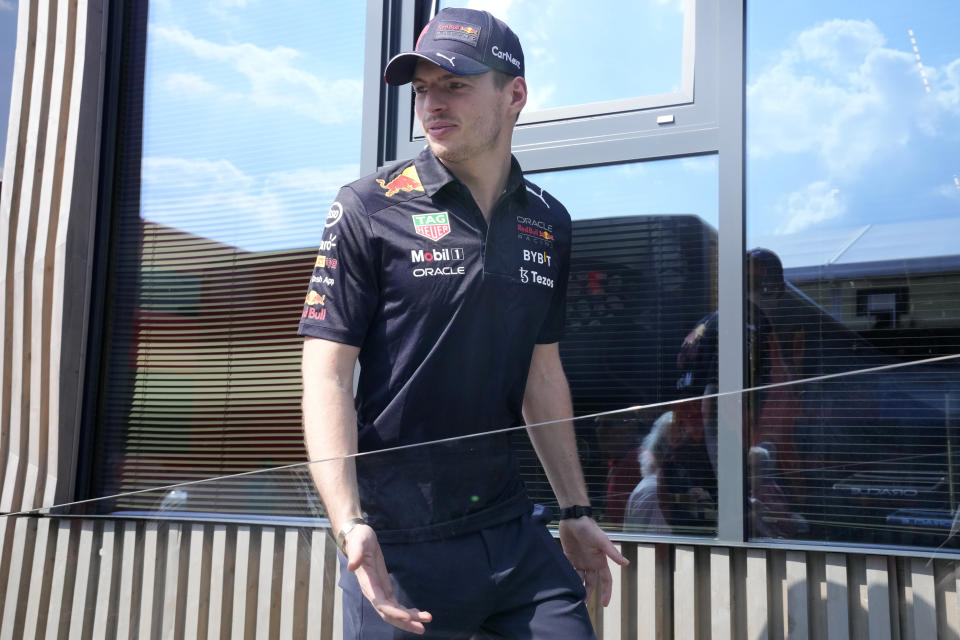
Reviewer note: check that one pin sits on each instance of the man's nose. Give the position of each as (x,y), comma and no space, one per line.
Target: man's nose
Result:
(433,102)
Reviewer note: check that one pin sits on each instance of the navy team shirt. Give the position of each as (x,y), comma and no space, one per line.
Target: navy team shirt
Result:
(446,310)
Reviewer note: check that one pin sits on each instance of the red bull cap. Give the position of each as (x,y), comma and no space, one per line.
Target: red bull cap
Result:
(466,42)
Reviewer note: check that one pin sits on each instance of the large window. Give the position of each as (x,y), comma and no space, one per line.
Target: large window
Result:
(853,131)
(642,278)
(239,121)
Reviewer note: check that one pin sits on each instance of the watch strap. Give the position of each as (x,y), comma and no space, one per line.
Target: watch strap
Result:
(575,511)
(347,527)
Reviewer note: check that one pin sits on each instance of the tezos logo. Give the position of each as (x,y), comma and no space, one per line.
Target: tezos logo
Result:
(529,275)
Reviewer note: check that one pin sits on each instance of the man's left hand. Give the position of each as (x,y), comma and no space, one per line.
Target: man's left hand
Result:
(587,548)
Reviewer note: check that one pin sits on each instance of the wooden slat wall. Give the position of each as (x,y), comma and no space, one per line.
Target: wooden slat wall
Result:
(145,579)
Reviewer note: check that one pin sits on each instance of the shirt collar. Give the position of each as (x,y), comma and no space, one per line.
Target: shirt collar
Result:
(434,175)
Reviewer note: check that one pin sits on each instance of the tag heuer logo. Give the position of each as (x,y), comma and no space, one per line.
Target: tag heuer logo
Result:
(432,225)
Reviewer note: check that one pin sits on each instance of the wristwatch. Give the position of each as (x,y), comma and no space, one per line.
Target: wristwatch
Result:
(347,527)
(575,511)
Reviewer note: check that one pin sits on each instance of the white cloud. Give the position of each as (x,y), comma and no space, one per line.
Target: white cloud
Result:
(273,79)
(950,191)
(8,5)
(814,203)
(839,92)
(216,200)
(188,83)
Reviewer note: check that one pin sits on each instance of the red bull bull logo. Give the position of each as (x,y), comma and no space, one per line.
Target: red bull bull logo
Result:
(314,299)
(408,180)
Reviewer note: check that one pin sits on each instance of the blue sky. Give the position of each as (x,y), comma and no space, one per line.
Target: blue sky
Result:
(841,129)
(252,114)
(8,38)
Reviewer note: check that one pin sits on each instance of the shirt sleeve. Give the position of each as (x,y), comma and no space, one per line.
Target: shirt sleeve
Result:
(343,294)
(554,325)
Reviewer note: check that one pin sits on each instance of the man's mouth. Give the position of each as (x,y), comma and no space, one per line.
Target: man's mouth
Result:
(439,128)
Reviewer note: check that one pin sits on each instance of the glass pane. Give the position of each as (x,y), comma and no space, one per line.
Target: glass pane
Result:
(642,278)
(575,55)
(853,131)
(239,123)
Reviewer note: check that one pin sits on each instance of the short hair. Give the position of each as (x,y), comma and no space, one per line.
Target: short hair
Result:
(501,79)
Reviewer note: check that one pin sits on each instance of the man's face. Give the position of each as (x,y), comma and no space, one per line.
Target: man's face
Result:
(462,116)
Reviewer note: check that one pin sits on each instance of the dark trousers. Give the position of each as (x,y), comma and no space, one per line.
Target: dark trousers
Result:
(508,581)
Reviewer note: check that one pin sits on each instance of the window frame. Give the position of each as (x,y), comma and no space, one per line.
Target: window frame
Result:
(621,130)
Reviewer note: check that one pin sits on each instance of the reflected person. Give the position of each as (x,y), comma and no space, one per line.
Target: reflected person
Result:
(643,507)
(445,276)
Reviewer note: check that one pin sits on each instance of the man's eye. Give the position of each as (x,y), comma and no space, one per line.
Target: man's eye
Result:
(457,85)
(417,90)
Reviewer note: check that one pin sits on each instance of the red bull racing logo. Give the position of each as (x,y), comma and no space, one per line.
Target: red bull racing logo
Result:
(535,231)
(461,31)
(408,180)
(432,225)
(314,299)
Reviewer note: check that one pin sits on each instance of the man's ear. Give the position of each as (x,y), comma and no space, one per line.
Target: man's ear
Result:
(518,94)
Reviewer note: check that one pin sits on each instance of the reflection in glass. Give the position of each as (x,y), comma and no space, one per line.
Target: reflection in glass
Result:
(642,278)
(238,126)
(574,56)
(852,131)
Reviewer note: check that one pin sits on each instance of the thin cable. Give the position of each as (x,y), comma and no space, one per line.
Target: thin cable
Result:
(639,407)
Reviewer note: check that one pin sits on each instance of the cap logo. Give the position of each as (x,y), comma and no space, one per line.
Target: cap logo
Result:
(505,55)
(460,31)
(450,59)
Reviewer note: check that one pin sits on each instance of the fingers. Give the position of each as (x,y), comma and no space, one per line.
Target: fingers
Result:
(376,587)
(614,554)
(606,586)
(589,581)
(411,620)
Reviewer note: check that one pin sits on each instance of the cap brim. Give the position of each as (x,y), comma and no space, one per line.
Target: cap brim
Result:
(401,67)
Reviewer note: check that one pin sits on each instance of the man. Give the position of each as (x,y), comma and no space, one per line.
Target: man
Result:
(446,276)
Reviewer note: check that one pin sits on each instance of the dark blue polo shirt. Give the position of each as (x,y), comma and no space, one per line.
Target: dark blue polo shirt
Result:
(446,311)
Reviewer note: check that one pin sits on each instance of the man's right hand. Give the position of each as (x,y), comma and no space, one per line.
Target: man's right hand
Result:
(365,560)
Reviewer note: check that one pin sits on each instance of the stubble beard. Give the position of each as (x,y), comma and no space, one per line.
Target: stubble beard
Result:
(472,149)
(463,152)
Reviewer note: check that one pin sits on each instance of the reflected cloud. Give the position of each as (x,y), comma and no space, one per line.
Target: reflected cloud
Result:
(188,83)
(847,97)
(216,200)
(274,81)
(816,202)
